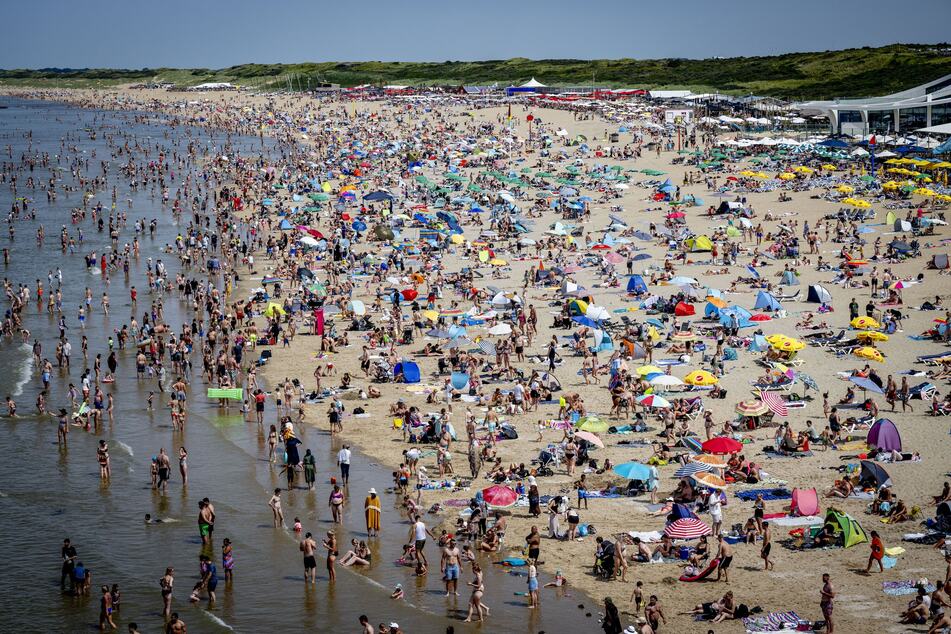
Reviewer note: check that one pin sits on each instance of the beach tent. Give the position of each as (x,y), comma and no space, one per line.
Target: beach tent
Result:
(789,279)
(604,343)
(875,472)
(711,311)
(805,502)
(699,243)
(818,294)
(459,380)
(577,307)
(550,382)
(682,309)
(884,435)
(767,301)
(890,218)
(636,285)
(939,261)
(286,225)
(759,344)
(846,525)
(742,316)
(634,350)
(409,369)
(902,225)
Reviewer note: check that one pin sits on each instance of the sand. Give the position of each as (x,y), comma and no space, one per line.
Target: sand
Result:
(795,583)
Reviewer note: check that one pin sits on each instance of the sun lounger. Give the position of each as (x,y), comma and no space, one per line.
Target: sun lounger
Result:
(706,572)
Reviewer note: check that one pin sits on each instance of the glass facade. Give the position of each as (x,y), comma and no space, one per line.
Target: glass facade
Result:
(910,119)
(941,114)
(881,120)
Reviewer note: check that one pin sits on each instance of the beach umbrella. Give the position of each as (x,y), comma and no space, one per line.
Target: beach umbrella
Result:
(687,528)
(499,496)
(866,384)
(633,470)
(701,377)
(710,480)
(722,445)
(409,294)
(872,335)
(500,329)
(666,380)
(684,336)
(591,438)
(710,460)
(688,470)
(865,323)
(753,407)
(644,370)
(592,424)
(653,401)
(870,353)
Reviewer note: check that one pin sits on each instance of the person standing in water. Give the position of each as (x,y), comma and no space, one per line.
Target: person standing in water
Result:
(372,509)
(164,470)
(309,547)
(275,504)
(102,455)
(182,466)
(167,583)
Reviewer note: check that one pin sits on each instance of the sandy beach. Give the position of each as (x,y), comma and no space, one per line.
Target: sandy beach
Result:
(794,583)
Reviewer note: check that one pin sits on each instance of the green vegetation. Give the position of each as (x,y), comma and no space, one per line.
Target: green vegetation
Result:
(818,75)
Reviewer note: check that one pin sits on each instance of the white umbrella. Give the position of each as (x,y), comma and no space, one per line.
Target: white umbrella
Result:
(500,329)
(666,380)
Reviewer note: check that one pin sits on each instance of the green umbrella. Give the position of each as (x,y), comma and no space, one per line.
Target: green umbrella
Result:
(543,175)
(474,188)
(526,170)
(319,197)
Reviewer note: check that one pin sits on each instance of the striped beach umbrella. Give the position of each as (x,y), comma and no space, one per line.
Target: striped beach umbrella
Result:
(687,528)
(710,460)
(710,480)
(690,469)
(653,401)
(752,407)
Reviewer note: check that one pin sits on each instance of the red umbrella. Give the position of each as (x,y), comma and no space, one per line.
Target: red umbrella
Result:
(760,317)
(687,528)
(722,445)
(409,294)
(499,496)
(600,246)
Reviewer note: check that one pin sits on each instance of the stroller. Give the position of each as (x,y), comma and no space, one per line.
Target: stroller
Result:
(546,461)
(604,564)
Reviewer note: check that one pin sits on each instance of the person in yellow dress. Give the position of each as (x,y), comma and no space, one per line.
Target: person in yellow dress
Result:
(372,510)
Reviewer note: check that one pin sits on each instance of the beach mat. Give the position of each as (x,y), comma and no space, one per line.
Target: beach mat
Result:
(234,394)
(772,622)
(768,494)
(905,587)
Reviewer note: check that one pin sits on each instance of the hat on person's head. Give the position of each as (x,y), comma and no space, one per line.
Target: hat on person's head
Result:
(372,491)
(62,412)
(395,624)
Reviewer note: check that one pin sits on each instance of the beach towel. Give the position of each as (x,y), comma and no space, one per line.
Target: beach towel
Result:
(768,494)
(602,494)
(234,394)
(648,537)
(889,562)
(790,520)
(900,588)
(772,622)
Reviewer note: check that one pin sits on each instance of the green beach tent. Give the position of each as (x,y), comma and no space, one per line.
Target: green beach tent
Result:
(852,532)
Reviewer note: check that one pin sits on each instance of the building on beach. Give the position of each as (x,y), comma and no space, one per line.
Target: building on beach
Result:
(906,111)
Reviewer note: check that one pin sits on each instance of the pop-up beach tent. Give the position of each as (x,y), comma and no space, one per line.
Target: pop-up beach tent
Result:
(698,243)
(874,472)
(884,435)
(636,285)
(939,261)
(846,525)
(683,309)
(818,294)
(742,316)
(767,301)
(409,369)
(789,279)
(805,502)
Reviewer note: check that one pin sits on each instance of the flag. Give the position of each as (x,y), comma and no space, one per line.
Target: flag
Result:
(774,402)
(872,140)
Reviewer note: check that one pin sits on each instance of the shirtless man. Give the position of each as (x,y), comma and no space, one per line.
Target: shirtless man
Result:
(365,627)
(164,470)
(206,521)
(827,594)
(175,625)
(725,555)
(309,547)
(450,567)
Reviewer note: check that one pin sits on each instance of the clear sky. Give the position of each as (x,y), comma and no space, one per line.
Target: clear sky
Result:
(218,33)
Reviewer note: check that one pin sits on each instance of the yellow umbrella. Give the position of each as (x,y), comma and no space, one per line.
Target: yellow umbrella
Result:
(845,189)
(456,238)
(789,345)
(872,354)
(872,335)
(644,370)
(700,377)
(498,262)
(828,166)
(786,176)
(864,323)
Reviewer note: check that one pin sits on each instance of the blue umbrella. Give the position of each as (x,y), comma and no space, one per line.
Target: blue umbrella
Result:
(633,471)
(692,468)
(866,384)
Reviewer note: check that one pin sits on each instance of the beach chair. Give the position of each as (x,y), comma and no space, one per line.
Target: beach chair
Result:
(695,411)
(824,342)
(924,391)
(932,359)
(940,408)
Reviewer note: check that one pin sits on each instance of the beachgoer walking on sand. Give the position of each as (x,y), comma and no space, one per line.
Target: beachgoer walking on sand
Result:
(876,554)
